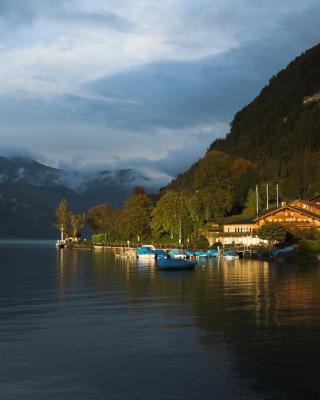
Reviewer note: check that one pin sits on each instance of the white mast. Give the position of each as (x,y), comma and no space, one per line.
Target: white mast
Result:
(267,196)
(257,200)
(277,194)
(180,227)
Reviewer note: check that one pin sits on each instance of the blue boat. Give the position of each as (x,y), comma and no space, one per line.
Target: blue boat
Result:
(284,250)
(173,264)
(213,252)
(160,253)
(189,253)
(176,253)
(146,252)
(200,254)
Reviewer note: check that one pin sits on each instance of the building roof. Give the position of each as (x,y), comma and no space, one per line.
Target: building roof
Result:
(315,198)
(244,222)
(296,209)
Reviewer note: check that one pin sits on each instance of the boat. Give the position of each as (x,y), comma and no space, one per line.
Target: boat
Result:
(283,250)
(213,252)
(200,254)
(160,253)
(146,252)
(189,253)
(176,253)
(173,264)
(230,255)
(60,244)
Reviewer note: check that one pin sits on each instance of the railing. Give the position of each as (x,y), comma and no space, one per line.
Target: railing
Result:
(134,245)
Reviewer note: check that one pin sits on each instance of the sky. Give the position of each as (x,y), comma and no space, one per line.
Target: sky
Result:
(138,83)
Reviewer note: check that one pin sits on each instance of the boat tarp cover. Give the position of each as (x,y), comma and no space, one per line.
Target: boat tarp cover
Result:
(284,250)
(144,250)
(230,253)
(175,252)
(212,251)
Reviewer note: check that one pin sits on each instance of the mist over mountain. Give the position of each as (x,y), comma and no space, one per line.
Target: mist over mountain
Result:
(30,192)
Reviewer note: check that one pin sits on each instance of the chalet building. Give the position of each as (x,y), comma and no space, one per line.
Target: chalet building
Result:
(297,214)
(240,227)
(315,199)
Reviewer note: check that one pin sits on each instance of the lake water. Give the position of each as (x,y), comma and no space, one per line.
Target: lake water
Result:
(79,325)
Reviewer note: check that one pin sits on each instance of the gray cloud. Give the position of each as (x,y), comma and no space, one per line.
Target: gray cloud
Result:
(15,13)
(159,112)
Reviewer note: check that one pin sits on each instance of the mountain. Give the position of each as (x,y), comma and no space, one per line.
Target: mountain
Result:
(30,192)
(278,133)
(280,130)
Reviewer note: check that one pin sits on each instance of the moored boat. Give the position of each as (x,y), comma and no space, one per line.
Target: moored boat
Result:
(146,252)
(160,253)
(60,244)
(200,254)
(230,255)
(283,250)
(176,253)
(170,264)
(189,253)
(213,252)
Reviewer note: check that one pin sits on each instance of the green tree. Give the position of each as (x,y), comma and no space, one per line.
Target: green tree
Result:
(135,217)
(214,180)
(171,216)
(62,218)
(272,232)
(77,223)
(101,219)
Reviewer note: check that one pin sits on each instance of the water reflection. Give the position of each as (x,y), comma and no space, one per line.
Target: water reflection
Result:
(233,330)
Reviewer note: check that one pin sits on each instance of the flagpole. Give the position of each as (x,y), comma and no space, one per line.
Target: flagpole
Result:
(257,200)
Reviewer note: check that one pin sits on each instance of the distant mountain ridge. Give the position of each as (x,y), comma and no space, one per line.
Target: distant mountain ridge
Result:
(30,192)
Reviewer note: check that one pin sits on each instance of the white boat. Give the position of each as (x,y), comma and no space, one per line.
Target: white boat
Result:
(230,255)
(60,244)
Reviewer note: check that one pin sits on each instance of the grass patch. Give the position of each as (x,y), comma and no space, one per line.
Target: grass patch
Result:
(232,219)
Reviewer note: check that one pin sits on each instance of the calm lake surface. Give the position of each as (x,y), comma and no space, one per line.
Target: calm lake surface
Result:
(79,325)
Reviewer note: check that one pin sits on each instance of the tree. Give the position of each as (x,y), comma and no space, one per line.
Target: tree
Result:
(101,218)
(62,218)
(77,222)
(172,216)
(213,179)
(135,217)
(272,232)
(138,190)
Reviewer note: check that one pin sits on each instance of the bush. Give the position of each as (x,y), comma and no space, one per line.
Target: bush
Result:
(310,246)
(99,238)
(272,232)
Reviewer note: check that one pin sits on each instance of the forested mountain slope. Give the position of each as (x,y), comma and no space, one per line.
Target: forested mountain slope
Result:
(278,132)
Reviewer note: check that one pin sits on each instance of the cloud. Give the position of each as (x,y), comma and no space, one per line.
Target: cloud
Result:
(150,85)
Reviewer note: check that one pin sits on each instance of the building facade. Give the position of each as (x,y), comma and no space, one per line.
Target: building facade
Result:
(297,214)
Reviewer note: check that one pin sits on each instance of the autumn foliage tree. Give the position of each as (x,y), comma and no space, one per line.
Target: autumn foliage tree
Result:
(62,218)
